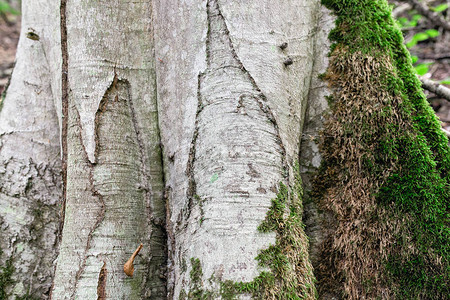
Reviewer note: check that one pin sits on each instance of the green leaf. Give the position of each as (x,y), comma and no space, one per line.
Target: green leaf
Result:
(440,7)
(404,22)
(445,81)
(432,33)
(418,37)
(414,20)
(422,69)
(416,17)
(414,59)
(411,43)
(6,8)
(421,36)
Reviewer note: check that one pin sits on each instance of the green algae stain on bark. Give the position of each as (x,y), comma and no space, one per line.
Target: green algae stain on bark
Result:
(384,175)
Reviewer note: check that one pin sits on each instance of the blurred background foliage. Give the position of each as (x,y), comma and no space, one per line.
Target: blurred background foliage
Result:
(426,28)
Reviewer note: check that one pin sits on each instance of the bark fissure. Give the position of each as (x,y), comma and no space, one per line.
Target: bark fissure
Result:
(157,224)
(213,9)
(102,206)
(165,225)
(170,242)
(65,110)
(309,156)
(229,95)
(145,179)
(192,189)
(101,285)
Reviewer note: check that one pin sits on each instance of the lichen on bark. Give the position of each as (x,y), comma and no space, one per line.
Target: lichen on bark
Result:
(384,175)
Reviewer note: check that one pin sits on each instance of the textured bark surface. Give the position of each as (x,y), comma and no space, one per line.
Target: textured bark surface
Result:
(114,190)
(234,80)
(310,157)
(231,104)
(30,166)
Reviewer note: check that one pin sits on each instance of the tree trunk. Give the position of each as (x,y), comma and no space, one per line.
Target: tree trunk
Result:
(237,82)
(114,194)
(30,165)
(193,128)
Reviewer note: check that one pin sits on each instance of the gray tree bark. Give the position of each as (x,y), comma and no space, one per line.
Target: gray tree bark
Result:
(114,195)
(233,86)
(30,165)
(178,122)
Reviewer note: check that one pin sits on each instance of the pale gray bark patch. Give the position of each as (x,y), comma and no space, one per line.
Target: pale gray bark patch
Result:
(223,200)
(275,44)
(30,166)
(114,171)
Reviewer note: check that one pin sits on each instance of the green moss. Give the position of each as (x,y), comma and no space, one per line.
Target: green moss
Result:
(183,295)
(404,158)
(367,26)
(290,274)
(6,272)
(196,288)
(196,291)
(200,202)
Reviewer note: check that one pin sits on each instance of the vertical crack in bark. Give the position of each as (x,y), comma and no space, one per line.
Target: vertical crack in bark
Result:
(192,189)
(145,178)
(64,126)
(170,243)
(101,284)
(213,11)
(65,110)
(166,225)
(308,95)
(101,214)
(311,215)
(156,223)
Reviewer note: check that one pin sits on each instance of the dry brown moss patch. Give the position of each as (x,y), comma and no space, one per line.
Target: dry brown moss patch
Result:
(385,174)
(356,245)
(366,144)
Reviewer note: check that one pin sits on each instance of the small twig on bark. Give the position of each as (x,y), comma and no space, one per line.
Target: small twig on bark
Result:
(434,17)
(435,88)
